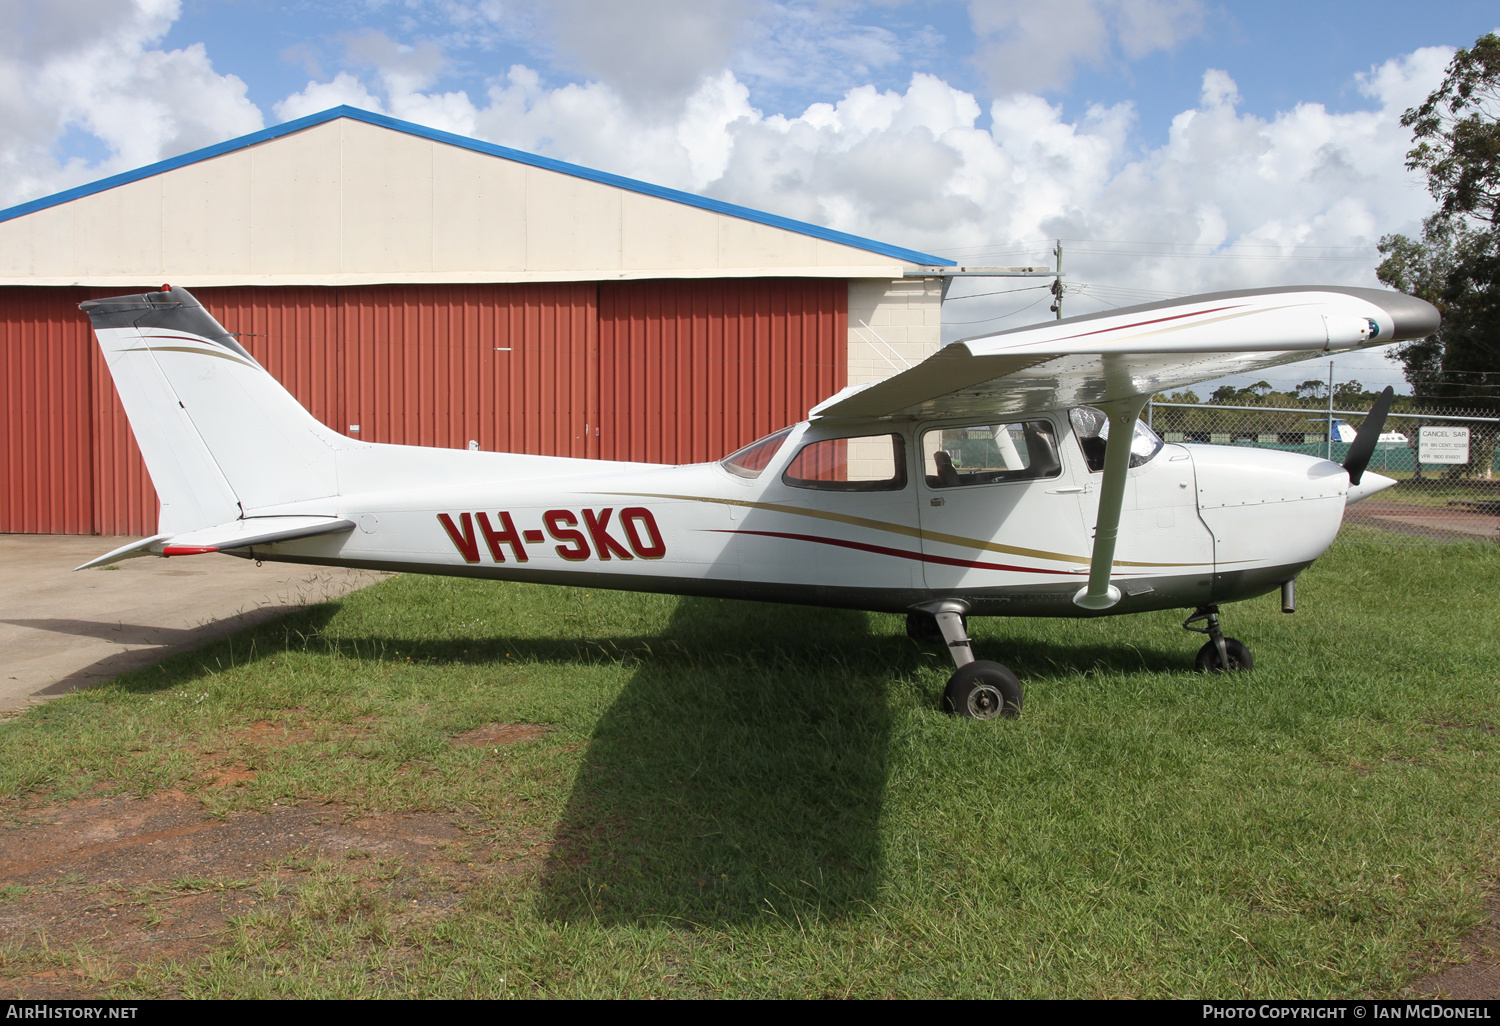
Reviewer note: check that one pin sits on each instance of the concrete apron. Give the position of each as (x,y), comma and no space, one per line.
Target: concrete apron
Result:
(61,631)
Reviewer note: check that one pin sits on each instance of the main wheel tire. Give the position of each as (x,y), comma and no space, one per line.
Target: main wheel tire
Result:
(1239,657)
(923,627)
(983,691)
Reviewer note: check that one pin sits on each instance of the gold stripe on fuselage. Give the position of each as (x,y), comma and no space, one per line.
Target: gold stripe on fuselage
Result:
(893,528)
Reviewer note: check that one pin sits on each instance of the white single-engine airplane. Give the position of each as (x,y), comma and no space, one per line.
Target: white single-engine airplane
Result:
(1006,475)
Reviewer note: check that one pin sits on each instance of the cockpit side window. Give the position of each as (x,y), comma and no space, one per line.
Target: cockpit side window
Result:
(989,453)
(864,463)
(1091,428)
(755,457)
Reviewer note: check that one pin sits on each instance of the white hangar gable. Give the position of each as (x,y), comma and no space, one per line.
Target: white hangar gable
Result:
(346,197)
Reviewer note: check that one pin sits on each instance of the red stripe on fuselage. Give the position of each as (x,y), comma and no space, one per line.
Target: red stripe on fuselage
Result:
(904,554)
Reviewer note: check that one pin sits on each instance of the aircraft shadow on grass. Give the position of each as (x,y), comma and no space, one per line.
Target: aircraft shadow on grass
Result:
(174,654)
(746,784)
(750,784)
(740,773)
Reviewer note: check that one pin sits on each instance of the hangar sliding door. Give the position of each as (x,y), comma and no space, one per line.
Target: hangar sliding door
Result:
(512,367)
(692,370)
(656,371)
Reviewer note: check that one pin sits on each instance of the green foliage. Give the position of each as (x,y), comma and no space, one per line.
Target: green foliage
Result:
(1347,393)
(1456,264)
(1458,137)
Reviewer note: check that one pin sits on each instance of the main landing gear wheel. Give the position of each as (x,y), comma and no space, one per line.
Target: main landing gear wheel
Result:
(1239,657)
(983,691)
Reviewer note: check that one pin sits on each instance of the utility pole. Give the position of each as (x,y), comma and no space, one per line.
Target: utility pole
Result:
(1057,281)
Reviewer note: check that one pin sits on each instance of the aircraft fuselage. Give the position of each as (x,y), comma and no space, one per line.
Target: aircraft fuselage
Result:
(1202,524)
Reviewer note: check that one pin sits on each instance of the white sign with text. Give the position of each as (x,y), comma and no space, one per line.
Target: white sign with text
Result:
(1443,445)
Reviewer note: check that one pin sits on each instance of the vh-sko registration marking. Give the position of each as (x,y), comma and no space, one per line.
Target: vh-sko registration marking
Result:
(1008,474)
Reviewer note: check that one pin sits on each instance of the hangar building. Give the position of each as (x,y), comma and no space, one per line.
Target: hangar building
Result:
(413,286)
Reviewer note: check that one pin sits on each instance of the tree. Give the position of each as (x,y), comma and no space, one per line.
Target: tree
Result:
(1456,264)
(1311,390)
(1348,393)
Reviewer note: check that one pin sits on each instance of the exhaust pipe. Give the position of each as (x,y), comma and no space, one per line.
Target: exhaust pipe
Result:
(1289,595)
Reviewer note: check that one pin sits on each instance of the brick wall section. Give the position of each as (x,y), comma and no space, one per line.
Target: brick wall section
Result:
(902,321)
(906,315)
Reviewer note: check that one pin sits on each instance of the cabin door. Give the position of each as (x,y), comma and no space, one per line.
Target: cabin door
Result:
(999,506)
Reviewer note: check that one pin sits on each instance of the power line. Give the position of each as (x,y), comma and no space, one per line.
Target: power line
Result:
(1000,292)
(1214,245)
(998,317)
(1000,247)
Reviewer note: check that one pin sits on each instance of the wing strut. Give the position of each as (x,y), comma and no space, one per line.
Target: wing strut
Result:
(1099,593)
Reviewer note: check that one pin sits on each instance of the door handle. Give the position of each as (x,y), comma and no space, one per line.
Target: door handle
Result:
(936,502)
(1072,490)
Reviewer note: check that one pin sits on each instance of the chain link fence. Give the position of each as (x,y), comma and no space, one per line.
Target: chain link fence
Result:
(1444,462)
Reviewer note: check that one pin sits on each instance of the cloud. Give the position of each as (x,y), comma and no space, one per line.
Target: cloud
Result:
(1304,195)
(654,54)
(403,73)
(1028,46)
(1230,199)
(344,89)
(93,67)
(404,68)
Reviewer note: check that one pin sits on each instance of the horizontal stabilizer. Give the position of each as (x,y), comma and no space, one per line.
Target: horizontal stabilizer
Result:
(135,548)
(239,534)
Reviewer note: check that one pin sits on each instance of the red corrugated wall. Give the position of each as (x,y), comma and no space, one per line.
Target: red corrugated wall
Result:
(692,370)
(513,367)
(660,371)
(45,378)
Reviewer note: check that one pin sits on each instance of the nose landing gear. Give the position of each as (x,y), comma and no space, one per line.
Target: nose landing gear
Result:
(1219,653)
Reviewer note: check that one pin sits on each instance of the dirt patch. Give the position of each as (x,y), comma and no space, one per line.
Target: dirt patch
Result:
(1401,518)
(230,776)
(272,735)
(494,735)
(1478,979)
(94,890)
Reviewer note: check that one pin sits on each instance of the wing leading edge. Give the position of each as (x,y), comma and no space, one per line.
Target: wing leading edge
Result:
(1100,359)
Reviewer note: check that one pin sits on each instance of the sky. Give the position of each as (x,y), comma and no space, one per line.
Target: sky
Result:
(1174,146)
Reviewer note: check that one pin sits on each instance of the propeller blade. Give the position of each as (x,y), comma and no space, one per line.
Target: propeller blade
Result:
(1363,446)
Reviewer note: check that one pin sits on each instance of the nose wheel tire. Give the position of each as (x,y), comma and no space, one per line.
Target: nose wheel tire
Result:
(983,691)
(1239,657)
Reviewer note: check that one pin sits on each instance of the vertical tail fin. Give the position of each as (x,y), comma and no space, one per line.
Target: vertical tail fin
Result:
(220,436)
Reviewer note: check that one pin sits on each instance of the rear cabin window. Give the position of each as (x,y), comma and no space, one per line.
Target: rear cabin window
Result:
(987,453)
(867,463)
(755,457)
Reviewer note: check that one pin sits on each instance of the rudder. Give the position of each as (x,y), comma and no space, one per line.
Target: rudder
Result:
(221,438)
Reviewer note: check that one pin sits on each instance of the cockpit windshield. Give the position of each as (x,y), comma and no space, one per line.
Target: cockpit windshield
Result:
(1091,428)
(755,457)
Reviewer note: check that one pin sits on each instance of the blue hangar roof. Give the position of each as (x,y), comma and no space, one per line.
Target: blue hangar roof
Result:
(910,256)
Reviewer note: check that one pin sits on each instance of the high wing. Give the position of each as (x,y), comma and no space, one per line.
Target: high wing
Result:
(1116,360)
(1106,358)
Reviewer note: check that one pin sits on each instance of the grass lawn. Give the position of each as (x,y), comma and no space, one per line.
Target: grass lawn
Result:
(736,799)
